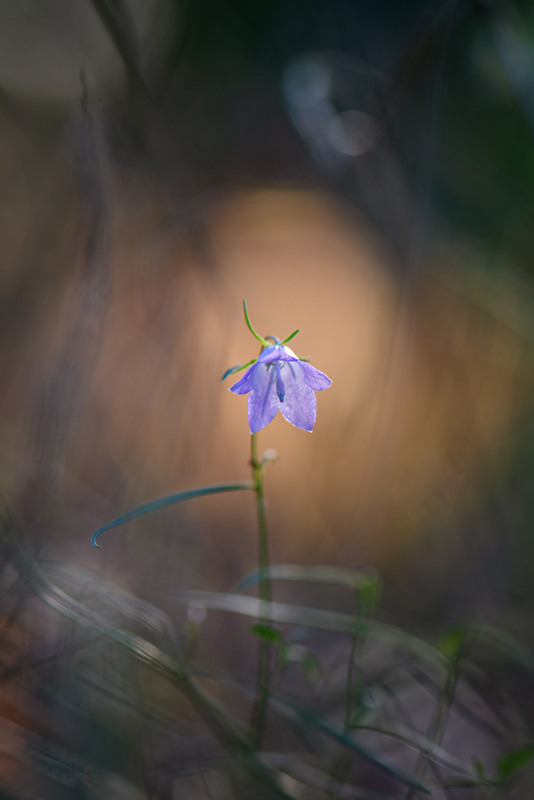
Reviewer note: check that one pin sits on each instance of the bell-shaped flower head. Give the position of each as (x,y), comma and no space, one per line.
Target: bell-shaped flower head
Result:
(279,381)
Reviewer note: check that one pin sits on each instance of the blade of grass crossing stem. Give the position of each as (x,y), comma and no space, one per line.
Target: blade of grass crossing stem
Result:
(313,618)
(336,576)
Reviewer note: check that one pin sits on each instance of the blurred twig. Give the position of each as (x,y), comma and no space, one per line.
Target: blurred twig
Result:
(120,26)
(62,393)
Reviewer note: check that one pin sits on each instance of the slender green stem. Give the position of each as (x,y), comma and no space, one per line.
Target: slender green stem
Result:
(257,719)
(263,538)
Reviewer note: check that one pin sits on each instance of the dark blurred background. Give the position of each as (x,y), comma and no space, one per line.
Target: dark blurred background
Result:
(363,171)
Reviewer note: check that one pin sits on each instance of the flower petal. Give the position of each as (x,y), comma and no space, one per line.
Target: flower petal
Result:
(279,380)
(316,379)
(244,384)
(263,402)
(299,406)
(277,352)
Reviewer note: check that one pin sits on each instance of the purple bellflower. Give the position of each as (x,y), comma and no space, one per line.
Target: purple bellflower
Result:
(279,381)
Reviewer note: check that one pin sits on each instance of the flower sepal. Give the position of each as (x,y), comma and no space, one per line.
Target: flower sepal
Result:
(233,370)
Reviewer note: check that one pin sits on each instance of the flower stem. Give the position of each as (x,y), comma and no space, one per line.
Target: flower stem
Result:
(257,718)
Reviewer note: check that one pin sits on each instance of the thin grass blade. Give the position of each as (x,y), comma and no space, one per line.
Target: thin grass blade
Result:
(169,500)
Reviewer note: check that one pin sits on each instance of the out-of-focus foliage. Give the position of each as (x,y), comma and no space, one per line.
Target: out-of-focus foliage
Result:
(126,701)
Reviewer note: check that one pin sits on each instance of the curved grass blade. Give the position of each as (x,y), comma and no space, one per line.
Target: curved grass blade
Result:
(310,718)
(337,576)
(507,644)
(303,774)
(171,499)
(420,743)
(314,618)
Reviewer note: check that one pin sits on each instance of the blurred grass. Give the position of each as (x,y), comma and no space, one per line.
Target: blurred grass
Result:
(106,692)
(361,171)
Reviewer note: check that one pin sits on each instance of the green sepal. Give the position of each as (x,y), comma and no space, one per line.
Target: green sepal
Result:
(264,342)
(239,367)
(291,336)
